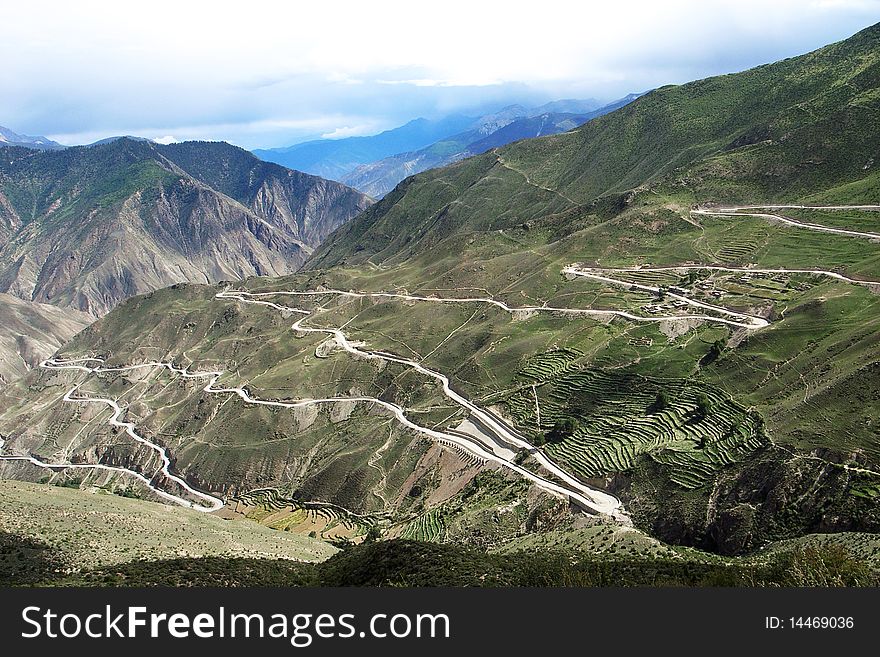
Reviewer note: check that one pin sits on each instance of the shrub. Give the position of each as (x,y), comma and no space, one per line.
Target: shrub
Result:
(704,406)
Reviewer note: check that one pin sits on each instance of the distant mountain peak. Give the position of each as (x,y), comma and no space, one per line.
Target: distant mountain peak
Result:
(12,138)
(194,211)
(110,140)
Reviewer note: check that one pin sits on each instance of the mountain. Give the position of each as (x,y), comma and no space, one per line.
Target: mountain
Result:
(110,140)
(568,106)
(332,158)
(338,159)
(558,343)
(31,332)
(10,138)
(498,129)
(309,207)
(87,227)
(773,133)
(619,192)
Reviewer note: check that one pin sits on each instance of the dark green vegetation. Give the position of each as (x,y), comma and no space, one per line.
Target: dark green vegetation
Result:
(87,227)
(416,563)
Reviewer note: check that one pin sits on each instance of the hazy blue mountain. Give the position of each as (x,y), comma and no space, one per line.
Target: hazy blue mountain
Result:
(507,125)
(568,106)
(332,158)
(556,117)
(10,138)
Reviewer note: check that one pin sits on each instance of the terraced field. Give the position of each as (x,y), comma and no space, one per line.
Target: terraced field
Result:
(738,251)
(549,364)
(616,416)
(426,527)
(320,520)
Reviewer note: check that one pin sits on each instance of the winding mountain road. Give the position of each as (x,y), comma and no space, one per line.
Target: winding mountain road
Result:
(748,320)
(214,503)
(497,441)
(502,435)
(735,211)
(742,320)
(733,270)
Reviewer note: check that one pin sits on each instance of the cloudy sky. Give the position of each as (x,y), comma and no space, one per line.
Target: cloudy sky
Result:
(268,73)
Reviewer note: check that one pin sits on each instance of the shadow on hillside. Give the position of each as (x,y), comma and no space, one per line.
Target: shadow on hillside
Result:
(24,561)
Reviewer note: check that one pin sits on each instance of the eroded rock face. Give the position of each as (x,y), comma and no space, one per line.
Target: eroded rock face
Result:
(773,496)
(30,332)
(86,228)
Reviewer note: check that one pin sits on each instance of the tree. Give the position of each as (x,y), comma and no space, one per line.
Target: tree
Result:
(735,429)
(662,400)
(373,534)
(714,352)
(563,428)
(704,406)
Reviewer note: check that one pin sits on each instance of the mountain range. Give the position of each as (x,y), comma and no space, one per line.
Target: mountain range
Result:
(513,124)
(10,138)
(333,158)
(375,164)
(588,341)
(84,228)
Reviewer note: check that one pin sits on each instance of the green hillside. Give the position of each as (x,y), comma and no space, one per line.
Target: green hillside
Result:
(716,373)
(798,129)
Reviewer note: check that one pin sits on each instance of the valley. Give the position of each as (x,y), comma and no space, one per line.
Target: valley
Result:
(654,337)
(490,438)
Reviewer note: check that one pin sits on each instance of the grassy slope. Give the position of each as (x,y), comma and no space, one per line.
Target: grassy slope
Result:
(93,530)
(504,224)
(616,192)
(414,563)
(787,130)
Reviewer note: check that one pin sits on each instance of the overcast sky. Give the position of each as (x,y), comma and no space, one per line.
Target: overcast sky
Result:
(270,72)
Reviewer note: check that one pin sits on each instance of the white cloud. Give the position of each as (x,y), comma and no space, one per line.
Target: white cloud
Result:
(351,131)
(284,68)
(428,82)
(167,139)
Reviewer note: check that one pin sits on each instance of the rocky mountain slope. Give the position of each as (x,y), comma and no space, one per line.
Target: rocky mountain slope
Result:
(30,332)
(87,227)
